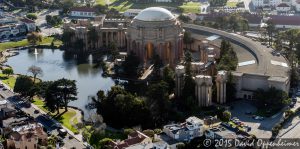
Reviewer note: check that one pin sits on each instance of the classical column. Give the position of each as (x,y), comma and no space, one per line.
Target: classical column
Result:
(221,86)
(106,39)
(179,78)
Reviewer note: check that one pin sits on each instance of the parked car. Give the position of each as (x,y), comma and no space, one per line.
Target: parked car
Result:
(294,99)
(259,118)
(62,132)
(248,112)
(36,111)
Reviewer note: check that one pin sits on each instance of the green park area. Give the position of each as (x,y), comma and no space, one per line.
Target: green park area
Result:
(231,4)
(64,117)
(24,42)
(123,5)
(8,80)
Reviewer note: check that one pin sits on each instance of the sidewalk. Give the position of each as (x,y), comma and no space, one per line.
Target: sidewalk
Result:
(77,137)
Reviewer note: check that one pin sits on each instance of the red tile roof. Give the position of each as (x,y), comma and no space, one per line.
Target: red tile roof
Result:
(285,20)
(83,9)
(283,5)
(26,20)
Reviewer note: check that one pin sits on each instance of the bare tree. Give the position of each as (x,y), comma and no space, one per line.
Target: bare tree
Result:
(35,71)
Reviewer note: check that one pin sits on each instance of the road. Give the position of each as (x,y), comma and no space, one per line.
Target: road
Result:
(41,22)
(21,104)
(292,128)
(263,55)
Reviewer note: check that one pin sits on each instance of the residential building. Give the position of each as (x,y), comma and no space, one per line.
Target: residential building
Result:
(191,128)
(83,12)
(297,5)
(6,112)
(8,31)
(130,13)
(220,132)
(28,136)
(134,139)
(283,7)
(30,24)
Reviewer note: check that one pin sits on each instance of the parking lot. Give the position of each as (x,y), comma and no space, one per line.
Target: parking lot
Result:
(260,128)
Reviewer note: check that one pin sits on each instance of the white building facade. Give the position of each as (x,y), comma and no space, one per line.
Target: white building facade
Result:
(84,12)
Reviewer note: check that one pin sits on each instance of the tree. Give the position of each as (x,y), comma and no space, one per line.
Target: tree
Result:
(31,16)
(8,71)
(67,90)
(187,63)
(101,9)
(130,65)
(158,101)
(270,30)
(104,143)
(53,100)
(122,109)
(33,38)
(230,88)
(168,77)
(226,116)
(148,132)
(271,99)
(35,71)
(187,39)
(66,5)
(23,84)
(183,18)
(157,62)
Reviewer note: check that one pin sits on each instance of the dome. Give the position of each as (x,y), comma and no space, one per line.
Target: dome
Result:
(155,14)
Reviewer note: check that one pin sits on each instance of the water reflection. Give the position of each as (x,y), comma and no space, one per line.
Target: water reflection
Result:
(56,64)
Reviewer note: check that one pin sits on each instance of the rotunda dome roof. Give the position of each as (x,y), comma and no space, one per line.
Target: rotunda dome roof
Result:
(155,14)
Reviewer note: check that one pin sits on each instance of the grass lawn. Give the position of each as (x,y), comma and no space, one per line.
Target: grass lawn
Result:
(123,5)
(231,4)
(64,118)
(10,81)
(45,41)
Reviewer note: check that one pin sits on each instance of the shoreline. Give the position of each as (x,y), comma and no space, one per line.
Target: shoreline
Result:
(14,52)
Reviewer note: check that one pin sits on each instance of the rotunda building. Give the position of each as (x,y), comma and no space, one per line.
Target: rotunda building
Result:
(155,31)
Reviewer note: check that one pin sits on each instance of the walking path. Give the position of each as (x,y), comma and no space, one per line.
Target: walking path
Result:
(35,107)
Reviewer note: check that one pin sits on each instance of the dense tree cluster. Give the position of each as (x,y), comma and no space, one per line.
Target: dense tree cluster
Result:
(57,94)
(120,108)
(130,65)
(217,3)
(234,22)
(53,20)
(31,16)
(228,60)
(34,37)
(8,71)
(273,99)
